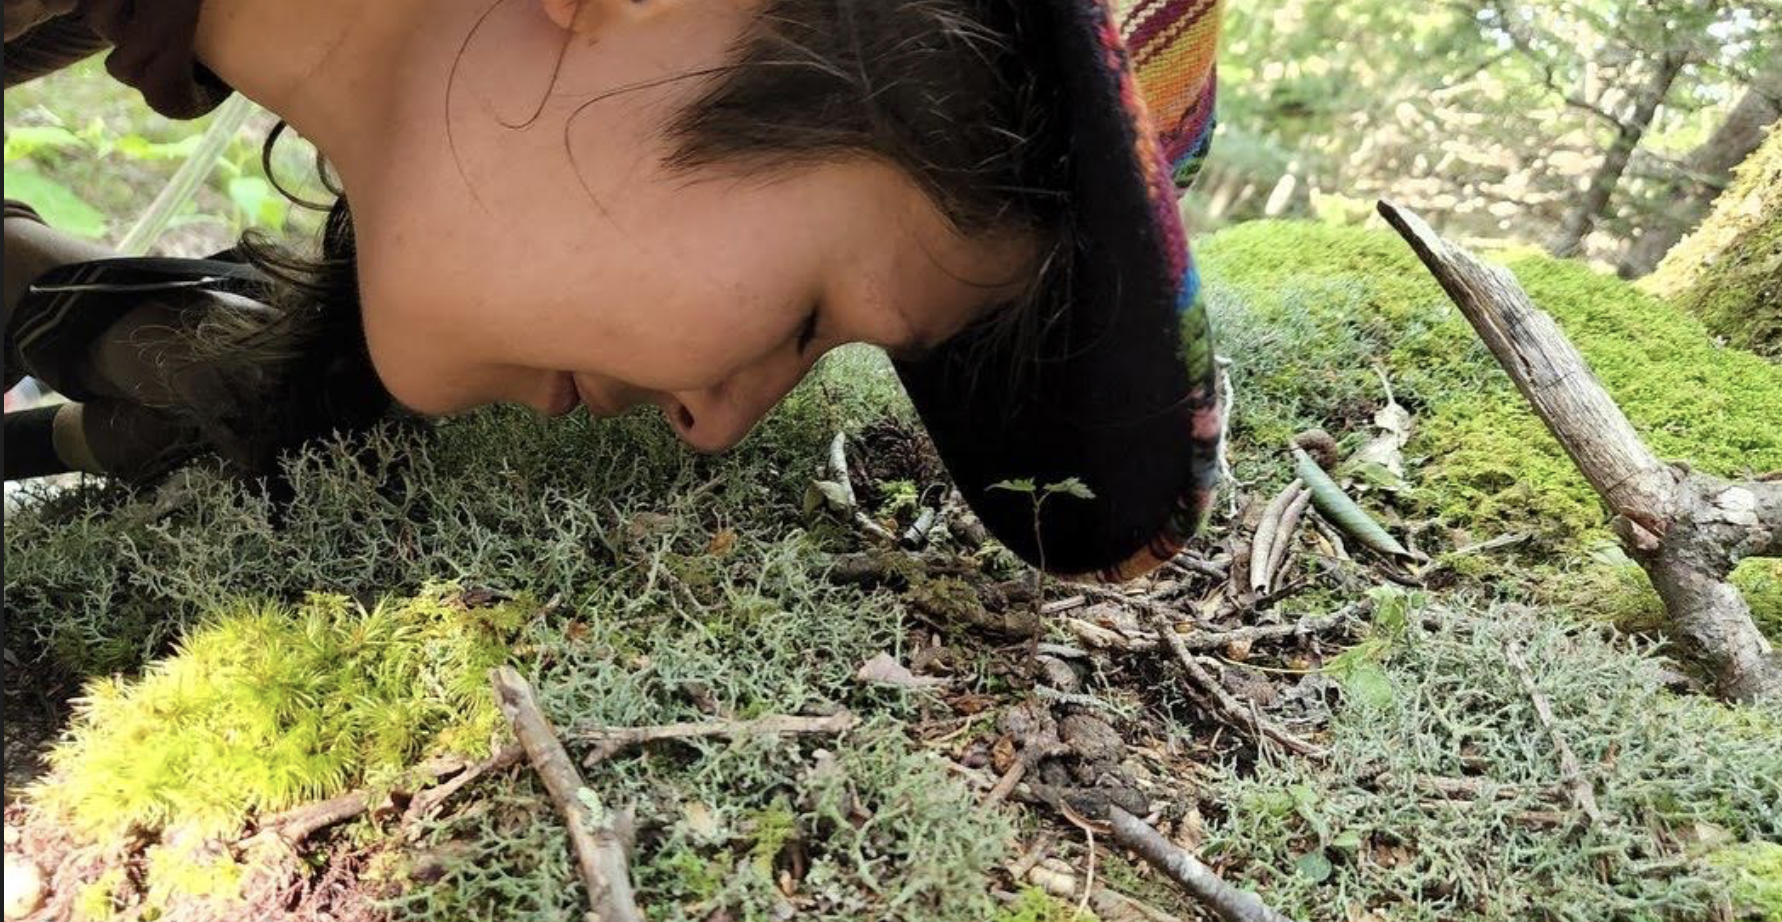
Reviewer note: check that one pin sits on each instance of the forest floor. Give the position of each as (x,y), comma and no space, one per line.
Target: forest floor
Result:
(1361,739)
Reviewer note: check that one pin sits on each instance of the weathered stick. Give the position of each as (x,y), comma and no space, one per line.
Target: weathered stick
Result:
(1569,767)
(1686,529)
(599,840)
(612,739)
(1210,689)
(1227,902)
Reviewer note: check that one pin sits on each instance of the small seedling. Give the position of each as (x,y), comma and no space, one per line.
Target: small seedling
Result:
(1037,496)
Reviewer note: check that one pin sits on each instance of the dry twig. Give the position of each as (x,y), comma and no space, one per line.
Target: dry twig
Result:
(1277,556)
(610,740)
(1227,902)
(1095,635)
(1224,703)
(598,836)
(1262,546)
(429,800)
(1056,878)
(1569,768)
(1005,784)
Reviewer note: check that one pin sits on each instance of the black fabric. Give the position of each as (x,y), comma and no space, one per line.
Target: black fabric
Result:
(152,50)
(1106,398)
(67,308)
(30,445)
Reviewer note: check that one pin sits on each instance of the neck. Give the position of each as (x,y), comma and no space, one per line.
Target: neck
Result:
(324,66)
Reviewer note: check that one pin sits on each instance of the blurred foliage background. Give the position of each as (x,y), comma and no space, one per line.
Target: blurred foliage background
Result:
(1600,128)
(1596,128)
(90,157)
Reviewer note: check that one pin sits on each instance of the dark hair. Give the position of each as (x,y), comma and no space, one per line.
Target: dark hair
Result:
(936,88)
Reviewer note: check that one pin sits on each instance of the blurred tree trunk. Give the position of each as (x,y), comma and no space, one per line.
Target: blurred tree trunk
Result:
(1706,171)
(1579,220)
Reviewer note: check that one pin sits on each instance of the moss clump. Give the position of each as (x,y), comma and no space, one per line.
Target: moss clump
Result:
(1729,272)
(267,706)
(1309,310)
(1036,905)
(1754,878)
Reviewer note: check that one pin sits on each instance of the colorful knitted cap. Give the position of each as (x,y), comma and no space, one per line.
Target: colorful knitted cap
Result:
(1120,392)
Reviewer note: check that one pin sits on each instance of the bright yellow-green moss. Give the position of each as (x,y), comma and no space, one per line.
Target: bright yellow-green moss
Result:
(1754,877)
(1035,905)
(1308,311)
(267,706)
(1729,272)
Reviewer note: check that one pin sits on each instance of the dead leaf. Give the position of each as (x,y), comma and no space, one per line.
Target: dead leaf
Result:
(1002,753)
(700,821)
(722,542)
(883,670)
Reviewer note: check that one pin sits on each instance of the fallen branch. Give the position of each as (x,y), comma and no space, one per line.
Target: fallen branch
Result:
(1686,529)
(610,740)
(1212,694)
(598,835)
(1100,637)
(299,823)
(1569,768)
(1227,902)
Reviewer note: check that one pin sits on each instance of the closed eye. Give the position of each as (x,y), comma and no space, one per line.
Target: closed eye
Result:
(807,334)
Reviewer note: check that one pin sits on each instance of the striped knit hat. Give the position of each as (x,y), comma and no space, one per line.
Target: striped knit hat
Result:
(1122,395)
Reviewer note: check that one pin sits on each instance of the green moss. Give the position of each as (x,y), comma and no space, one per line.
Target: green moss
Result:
(1036,905)
(267,706)
(774,828)
(98,900)
(1729,272)
(1754,878)
(1309,310)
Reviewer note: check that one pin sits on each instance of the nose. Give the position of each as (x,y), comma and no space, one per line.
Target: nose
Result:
(716,418)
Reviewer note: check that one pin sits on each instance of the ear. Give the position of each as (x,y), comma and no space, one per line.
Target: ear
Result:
(588,15)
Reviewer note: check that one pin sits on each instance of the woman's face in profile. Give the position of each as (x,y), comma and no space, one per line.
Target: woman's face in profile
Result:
(521,239)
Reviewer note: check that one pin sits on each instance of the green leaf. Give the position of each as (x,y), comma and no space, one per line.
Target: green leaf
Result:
(1368,686)
(59,205)
(137,147)
(1342,511)
(1070,486)
(1349,841)
(1018,485)
(23,143)
(1313,866)
(260,204)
